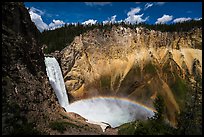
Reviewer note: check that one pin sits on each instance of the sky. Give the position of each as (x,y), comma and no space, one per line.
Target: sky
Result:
(52,15)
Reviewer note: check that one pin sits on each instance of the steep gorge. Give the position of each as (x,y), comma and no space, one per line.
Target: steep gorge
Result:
(136,64)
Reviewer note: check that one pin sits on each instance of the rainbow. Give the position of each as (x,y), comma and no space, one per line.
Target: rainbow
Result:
(117,98)
(114,111)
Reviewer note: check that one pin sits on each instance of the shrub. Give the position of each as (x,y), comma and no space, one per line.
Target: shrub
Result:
(61,126)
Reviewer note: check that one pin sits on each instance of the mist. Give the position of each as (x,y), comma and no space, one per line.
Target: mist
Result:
(114,111)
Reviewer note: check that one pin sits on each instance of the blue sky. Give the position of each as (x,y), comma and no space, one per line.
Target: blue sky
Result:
(54,14)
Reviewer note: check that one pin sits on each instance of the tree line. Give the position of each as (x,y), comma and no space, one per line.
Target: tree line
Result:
(61,37)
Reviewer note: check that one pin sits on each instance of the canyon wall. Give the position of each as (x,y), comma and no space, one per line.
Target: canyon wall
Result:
(136,64)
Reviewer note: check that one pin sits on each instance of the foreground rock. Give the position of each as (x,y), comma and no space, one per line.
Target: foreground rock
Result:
(28,102)
(74,124)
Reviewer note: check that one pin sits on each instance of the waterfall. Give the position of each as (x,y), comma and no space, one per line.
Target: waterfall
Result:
(56,80)
(102,111)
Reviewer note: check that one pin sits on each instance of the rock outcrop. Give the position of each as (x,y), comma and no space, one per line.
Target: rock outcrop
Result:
(133,63)
(28,102)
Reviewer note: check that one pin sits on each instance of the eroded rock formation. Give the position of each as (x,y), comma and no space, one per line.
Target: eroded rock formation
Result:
(133,63)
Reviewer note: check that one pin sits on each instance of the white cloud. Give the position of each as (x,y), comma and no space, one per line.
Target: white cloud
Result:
(110,20)
(37,11)
(120,21)
(105,21)
(36,18)
(133,18)
(198,18)
(90,21)
(147,5)
(97,3)
(73,23)
(181,19)
(137,2)
(160,3)
(164,19)
(113,19)
(133,11)
(56,24)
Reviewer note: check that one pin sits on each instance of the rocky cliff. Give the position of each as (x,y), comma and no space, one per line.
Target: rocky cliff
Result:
(28,103)
(134,63)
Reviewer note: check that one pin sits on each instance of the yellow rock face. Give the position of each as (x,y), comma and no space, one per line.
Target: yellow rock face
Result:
(135,64)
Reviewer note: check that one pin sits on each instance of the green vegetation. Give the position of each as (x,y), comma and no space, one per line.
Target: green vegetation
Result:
(189,120)
(131,80)
(117,80)
(150,68)
(65,117)
(61,126)
(159,106)
(177,84)
(60,38)
(153,126)
(178,27)
(17,124)
(134,71)
(198,45)
(26,129)
(127,129)
(105,82)
(179,88)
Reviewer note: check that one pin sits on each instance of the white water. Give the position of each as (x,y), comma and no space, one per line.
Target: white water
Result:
(56,80)
(113,111)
